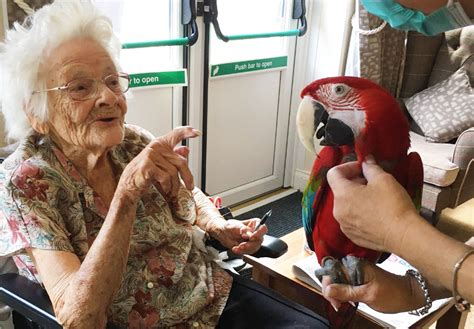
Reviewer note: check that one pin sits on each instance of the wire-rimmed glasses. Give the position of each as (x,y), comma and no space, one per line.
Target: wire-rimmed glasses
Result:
(85,88)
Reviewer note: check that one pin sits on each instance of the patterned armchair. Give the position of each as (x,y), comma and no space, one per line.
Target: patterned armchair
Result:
(414,64)
(448,166)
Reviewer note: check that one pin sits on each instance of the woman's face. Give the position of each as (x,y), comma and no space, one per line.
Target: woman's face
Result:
(95,124)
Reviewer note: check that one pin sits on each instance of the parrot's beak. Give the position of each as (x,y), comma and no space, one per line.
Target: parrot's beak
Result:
(310,114)
(333,130)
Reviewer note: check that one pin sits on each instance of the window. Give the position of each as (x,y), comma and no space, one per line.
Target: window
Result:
(249,17)
(146,20)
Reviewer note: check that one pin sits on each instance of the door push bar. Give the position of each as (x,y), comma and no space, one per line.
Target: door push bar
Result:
(188,18)
(299,12)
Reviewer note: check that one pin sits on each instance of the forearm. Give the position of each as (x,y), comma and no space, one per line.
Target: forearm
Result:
(428,7)
(410,295)
(207,214)
(384,291)
(404,291)
(434,254)
(92,287)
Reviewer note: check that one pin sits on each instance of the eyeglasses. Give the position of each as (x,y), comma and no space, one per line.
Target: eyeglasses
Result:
(86,88)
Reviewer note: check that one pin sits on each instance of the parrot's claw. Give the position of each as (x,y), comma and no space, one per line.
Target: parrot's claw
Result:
(355,269)
(333,268)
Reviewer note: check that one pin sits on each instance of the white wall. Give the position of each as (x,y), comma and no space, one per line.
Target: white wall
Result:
(325,55)
(3,18)
(3,23)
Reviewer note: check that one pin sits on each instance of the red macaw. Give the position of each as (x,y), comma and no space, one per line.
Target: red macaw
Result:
(359,118)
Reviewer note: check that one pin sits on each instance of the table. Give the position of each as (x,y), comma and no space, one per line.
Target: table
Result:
(276,273)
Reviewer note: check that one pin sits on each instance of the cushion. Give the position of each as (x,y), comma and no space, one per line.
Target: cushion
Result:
(431,59)
(457,47)
(444,110)
(438,168)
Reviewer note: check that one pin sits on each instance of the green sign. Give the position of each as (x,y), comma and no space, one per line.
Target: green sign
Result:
(158,79)
(248,66)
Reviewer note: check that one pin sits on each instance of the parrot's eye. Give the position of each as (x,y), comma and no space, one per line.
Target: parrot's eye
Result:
(340,89)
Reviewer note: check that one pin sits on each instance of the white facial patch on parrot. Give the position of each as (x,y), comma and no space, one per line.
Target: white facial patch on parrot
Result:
(305,123)
(352,118)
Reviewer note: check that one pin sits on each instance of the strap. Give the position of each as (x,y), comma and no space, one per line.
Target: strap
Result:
(357,29)
(467,59)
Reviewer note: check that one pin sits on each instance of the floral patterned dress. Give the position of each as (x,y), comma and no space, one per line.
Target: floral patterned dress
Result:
(169,281)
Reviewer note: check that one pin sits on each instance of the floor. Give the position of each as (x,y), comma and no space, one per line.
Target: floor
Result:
(457,223)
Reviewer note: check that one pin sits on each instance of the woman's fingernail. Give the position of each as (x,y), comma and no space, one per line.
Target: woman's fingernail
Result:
(334,307)
(197,132)
(352,303)
(370,159)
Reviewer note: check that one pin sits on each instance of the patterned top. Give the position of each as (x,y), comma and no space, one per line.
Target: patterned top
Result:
(169,281)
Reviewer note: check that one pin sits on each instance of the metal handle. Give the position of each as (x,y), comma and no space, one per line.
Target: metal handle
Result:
(299,12)
(188,18)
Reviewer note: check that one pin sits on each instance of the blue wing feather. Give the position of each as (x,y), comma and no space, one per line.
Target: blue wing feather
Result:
(327,158)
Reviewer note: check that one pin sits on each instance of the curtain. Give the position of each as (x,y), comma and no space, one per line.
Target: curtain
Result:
(376,51)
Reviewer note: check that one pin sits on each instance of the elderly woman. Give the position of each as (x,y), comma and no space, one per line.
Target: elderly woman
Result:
(95,210)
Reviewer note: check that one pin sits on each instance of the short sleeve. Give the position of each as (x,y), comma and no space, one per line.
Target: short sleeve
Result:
(136,138)
(28,216)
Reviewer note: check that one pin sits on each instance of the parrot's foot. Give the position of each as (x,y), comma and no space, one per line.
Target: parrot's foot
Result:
(349,271)
(355,269)
(332,268)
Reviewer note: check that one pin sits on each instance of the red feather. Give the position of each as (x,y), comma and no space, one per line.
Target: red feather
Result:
(328,239)
(385,135)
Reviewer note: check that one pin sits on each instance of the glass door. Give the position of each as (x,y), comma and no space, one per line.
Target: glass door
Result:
(234,84)
(248,69)
(151,35)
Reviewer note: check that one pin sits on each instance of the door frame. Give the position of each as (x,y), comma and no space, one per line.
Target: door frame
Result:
(294,81)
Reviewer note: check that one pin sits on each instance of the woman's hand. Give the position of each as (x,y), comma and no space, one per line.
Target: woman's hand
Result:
(160,163)
(239,236)
(373,212)
(383,291)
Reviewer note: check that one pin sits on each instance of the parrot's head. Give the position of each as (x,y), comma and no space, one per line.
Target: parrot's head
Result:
(352,111)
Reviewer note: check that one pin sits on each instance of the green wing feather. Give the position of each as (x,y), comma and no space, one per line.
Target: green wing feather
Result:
(325,160)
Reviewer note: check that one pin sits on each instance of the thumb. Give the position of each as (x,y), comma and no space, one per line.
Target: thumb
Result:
(340,178)
(344,292)
(370,169)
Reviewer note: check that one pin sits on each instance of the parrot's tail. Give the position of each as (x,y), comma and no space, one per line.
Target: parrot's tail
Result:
(341,319)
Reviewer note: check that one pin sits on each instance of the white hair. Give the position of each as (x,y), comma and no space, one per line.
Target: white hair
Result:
(27,46)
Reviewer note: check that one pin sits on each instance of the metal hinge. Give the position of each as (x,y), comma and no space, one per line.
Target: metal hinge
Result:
(200,8)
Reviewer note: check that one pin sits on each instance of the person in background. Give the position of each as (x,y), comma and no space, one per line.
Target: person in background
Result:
(102,214)
(427,17)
